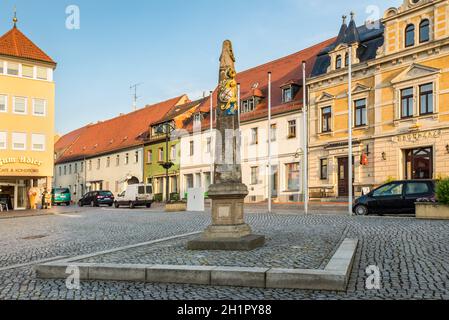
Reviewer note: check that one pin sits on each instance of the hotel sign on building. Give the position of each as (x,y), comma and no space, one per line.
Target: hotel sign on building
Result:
(27,94)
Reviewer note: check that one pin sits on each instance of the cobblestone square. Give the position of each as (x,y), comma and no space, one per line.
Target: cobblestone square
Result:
(411,255)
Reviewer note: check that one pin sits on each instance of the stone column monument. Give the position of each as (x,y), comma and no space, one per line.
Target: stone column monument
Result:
(228,230)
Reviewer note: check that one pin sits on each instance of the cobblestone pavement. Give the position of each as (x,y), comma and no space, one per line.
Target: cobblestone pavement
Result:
(296,247)
(412,255)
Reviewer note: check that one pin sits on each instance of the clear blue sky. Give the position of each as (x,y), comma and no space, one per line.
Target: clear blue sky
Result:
(172,46)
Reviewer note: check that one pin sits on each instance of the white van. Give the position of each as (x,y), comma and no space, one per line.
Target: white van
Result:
(135,195)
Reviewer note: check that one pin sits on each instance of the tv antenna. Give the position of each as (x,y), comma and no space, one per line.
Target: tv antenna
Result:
(133,88)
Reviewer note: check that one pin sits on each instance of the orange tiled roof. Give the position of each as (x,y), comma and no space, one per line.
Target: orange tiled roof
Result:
(15,44)
(120,133)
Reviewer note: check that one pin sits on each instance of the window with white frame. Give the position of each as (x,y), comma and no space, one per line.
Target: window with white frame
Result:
(254,136)
(273,132)
(38,142)
(292,129)
(19,141)
(208,145)
(173,153)
(20,105)
(197,119)
(13,69)
(161,154)
(3,142)
(41,73)
(248,105)
(3,103)
(287,94)
(254,175)
(27,71)
(192,148)
(39,107)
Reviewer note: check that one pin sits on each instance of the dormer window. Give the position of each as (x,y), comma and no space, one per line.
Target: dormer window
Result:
(197,119)
(338,62)
(248,105)
(410,36)
(287,94)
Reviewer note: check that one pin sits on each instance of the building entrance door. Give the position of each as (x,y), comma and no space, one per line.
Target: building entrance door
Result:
(419,163)
(343,177)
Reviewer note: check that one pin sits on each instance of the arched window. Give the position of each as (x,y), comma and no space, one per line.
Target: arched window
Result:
(347,60)
(424,31)
(410,35)
(338,62)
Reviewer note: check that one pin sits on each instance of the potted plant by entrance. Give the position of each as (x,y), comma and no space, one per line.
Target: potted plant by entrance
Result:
(435,208)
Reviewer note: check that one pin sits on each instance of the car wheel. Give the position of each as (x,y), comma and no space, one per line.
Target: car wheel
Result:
(361,210)
(148,205)
(116,205)
(80,204)
(67,204)
(131,205)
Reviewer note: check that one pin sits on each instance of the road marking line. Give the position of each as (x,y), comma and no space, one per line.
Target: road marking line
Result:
(26,264)
(101,253)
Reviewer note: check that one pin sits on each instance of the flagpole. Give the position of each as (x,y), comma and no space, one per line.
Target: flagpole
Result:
(305,141)
(238,102)
(350,155)
(212,178)
(269,143)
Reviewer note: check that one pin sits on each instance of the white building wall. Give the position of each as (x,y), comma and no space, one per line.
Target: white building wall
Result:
(113,177)
(284,151)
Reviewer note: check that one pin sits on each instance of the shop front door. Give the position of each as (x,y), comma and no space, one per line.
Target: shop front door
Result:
(419,163)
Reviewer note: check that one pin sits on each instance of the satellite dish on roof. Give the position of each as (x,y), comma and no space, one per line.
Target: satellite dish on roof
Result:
(255,85)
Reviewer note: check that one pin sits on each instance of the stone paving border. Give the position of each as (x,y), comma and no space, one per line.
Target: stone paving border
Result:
(334,277)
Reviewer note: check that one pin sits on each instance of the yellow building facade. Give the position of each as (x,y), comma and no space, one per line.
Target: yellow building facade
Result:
(400,101)
(27,94)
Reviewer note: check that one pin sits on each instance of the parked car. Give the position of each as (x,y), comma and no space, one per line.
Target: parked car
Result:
(397,197)
(61,196)
(97,198)
(135,195)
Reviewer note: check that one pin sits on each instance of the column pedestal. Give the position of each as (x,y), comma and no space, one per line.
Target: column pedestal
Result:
(228,230)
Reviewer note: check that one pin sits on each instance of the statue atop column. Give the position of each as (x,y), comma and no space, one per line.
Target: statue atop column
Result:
(228,230)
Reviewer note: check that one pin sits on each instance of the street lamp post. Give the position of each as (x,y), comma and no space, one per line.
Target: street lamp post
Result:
(167,165)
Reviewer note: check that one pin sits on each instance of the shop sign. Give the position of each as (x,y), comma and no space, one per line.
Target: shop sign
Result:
(20,160)
(418,136)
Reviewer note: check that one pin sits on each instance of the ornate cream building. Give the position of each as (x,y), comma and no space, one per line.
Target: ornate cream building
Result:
(400,101)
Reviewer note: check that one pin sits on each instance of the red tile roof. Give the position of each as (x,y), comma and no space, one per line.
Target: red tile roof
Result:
(120,133)
(66,141)
(15,44)
(286,70)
